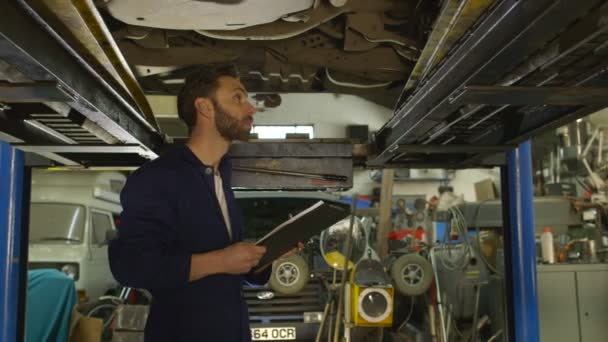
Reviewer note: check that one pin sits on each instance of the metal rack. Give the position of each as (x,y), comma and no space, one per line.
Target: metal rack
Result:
(525,67)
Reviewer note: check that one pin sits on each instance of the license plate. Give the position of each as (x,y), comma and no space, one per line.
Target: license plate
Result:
(273,334)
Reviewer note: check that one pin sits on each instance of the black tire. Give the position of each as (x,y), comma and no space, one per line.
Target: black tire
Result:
(289,275)
(412,274)
(103,309)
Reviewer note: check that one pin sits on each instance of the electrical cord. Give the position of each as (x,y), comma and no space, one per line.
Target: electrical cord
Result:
(460,261)
(478,231)
(409,314)
(355,85)
(460,222)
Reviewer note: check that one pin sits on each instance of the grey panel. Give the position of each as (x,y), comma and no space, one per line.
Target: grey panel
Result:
(555,212)
(557,307)
(131,317)
(287,149)
(593,305)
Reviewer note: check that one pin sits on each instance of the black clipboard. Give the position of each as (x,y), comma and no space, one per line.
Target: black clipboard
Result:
(299,228)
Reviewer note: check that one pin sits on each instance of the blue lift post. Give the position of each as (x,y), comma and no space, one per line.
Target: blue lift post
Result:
(520,248)
(11,200)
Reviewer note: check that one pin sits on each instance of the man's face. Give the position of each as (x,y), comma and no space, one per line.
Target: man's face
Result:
(233,112)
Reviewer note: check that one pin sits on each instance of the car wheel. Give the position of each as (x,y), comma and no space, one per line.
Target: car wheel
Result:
(412,274)
(289,275)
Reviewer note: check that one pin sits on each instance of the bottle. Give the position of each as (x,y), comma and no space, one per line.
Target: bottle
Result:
(547,247)
(592,250)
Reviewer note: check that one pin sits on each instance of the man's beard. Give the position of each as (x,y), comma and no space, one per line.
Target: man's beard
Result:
(228,126)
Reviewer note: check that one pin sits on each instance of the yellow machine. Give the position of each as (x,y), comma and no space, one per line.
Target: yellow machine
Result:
(371,295)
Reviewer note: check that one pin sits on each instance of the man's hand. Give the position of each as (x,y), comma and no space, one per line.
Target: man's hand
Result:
(234,259)
(293,251)
(241,257)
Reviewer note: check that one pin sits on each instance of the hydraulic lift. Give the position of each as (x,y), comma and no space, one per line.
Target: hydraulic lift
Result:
(493,74)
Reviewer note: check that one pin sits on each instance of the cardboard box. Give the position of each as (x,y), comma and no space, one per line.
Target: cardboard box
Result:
(485,190)
(86,329)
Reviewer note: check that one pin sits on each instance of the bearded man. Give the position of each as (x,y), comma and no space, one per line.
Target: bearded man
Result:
(180,232)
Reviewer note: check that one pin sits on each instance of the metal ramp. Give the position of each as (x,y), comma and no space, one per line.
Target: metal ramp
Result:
(524,67)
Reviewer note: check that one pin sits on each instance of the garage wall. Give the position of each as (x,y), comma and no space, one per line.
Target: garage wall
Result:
(329,113)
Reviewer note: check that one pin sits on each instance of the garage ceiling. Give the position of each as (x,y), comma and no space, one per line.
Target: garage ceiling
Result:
(464,73)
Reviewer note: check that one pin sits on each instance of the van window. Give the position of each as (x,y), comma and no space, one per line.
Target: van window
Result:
(101,223)
(56,222)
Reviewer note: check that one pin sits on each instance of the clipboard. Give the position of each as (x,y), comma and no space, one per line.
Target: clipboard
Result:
(299,228)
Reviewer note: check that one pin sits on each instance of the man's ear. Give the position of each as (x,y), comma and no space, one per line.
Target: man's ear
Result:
(203,107)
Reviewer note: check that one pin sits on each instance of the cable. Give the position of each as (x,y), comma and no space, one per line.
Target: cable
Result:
(481,255)
(495,336)
(355,85)
(477,246)
(385,40)
(133,37)
(460,261)
(409,315)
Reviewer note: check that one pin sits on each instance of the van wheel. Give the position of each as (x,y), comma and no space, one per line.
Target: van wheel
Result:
(105,310)
(412,274)
(289,275)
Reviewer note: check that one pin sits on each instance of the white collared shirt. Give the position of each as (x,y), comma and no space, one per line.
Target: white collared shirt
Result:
(221,198)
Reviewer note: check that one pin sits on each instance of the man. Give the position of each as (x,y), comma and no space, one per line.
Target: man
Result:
(180,230)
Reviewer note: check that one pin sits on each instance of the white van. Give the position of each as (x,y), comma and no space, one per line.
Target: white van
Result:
(70,214)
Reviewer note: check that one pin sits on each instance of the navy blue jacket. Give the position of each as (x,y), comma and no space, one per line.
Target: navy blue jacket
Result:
(170,211)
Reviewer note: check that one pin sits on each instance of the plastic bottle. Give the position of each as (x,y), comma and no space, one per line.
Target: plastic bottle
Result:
(547,247)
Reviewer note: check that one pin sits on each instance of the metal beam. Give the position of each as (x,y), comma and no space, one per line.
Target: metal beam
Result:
(291,149)
(31,92)
(83,148)
(538,119)
(33,47)
(440,149)
(532,127)
(566,61)
(17,130)
(57,158)
(525,96)
(81,24)
(455,19)
(449,161)
(5,137)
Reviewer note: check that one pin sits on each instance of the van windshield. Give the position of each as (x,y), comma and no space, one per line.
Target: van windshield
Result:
(56,223)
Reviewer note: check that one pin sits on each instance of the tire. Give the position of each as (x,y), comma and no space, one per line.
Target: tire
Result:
(412,274)
(103,309)
(289,275)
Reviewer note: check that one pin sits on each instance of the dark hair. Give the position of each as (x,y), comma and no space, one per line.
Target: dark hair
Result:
(203,82)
